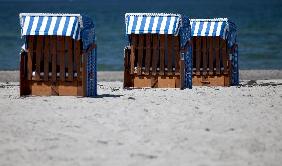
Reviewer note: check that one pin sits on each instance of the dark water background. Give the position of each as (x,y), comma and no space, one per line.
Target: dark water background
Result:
(259,26)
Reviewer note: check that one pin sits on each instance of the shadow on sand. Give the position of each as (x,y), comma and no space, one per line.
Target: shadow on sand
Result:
(107,95)
(252,83)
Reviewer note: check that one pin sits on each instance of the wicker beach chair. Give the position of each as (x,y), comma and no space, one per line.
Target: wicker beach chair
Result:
(59,55)
(215,52)
(158,53)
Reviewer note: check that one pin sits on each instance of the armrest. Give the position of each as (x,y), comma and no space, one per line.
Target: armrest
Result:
(186,46)
(127,47)
(232,49)
(89,49)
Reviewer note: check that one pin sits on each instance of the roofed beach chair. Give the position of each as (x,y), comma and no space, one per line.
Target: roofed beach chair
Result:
(215,52)
(158,53)
(59,55)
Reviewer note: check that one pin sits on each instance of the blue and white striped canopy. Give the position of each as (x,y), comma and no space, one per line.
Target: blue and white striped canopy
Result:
(51,24)
(154,23)
(210,27)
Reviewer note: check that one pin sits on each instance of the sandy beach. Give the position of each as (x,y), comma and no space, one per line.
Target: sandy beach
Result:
(204,126)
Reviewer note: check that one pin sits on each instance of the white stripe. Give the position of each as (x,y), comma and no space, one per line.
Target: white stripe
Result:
(211,28)
(61,26)
(52,26)
(148,19)
(78,37)
(197,25)
(203,33)
(34,25)
(170,29)
(25,26)
(74,33)
(70,26)
(43,26)
(130,24)
(138,25)
(218,29)
(163,24)
(155,24)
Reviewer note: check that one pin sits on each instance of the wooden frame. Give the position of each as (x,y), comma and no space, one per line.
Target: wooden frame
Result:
(211,62)
(153,60)
(53,65)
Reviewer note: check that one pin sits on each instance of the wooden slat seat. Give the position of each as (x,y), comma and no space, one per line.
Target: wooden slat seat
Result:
(152,60)
(42,74)
(53,62)
(211,62)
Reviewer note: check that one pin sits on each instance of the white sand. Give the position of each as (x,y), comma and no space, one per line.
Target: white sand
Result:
(204,126)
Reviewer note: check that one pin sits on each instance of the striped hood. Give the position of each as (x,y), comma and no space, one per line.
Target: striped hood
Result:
(51,24)
(221,27)
(154,23)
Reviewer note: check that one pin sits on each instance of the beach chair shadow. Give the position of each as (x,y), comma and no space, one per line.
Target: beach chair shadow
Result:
(108,96)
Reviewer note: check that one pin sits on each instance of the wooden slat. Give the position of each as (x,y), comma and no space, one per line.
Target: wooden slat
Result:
(169,54)
(46,57)
(155,57)
(132,55)
(162,54)
(39,44)
(70,58)
(53,54)
(198,55)
(78,58)
(204,54)
(211,53)
(223,51)
(74,59)
(148,54)
(126,59)
(127,79)
(30,56)
(140,54)
(176,41)
(23,81)
(61,50)
(217,55)
(194,54)
(216,80)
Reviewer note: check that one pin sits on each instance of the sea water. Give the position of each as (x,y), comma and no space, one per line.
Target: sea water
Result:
(259,26)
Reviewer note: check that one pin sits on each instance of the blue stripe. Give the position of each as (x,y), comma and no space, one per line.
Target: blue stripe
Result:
(134,24)
(57,25)
(73,26)
(24,17)
(222,29)
(215,28)
(200,28)
(167,25)
(39,23)
(66,26)
(30,25)
(193,27)
(48,25)
(208,28)
(77,33)
(142,26)
(151,24)
(174,24)
(159,24)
